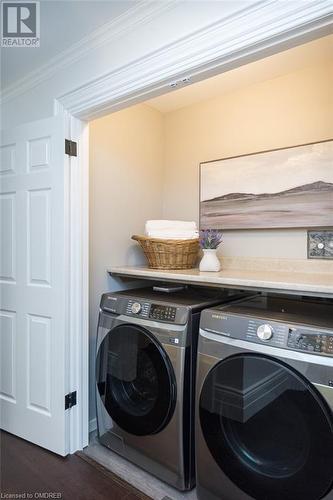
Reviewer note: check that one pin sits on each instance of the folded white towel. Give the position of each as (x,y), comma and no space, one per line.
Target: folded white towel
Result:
(178,225)
(173,235)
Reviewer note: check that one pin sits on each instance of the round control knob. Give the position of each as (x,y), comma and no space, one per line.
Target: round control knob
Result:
(136,308)
(265,332)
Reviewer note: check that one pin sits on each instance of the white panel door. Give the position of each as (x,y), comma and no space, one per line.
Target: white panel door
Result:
(33,278)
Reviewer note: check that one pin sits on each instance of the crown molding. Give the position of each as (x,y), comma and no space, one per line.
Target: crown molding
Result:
(258,30)
(140,14)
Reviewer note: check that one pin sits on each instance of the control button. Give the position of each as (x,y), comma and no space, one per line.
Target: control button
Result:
(265,332)
(136,308)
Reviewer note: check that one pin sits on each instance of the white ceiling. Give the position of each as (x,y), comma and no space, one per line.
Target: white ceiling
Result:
(62,23)
(274,66)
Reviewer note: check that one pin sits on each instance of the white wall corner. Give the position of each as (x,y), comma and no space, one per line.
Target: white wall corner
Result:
(140,14)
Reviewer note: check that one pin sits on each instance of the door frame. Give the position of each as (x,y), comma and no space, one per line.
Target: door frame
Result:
(77,252)
(260,30)
(78,278)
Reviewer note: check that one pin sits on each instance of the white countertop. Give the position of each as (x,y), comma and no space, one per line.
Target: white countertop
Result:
(306,283)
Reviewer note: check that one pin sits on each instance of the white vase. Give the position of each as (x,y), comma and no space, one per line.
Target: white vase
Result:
(209,261)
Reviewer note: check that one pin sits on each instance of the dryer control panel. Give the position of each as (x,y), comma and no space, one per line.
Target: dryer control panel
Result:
(301,340)
(166,313)
(149,310)
(294,323)
(269,332)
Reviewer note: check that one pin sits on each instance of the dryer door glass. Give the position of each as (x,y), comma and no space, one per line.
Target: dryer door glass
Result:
(268,429)
(135,380)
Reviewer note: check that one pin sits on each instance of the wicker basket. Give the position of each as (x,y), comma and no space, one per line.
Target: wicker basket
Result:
(169,254)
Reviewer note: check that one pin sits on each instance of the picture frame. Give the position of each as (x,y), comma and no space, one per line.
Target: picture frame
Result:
(279,188)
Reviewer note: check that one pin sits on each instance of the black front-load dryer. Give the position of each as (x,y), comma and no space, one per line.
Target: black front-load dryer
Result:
(264,421)
(145,377)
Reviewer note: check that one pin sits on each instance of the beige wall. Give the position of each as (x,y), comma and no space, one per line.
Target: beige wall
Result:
(126,161)
(293,109)
(145,165)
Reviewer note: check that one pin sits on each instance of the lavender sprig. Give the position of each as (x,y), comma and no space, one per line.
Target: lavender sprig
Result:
(210,239)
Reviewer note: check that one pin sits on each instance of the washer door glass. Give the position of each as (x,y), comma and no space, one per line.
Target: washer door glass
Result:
(268,429)
(135,380)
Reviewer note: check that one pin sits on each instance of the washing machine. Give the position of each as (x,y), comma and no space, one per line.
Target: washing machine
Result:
(264,422)
(145,377)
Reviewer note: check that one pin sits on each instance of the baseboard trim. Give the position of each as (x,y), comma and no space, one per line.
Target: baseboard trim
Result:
(92,425)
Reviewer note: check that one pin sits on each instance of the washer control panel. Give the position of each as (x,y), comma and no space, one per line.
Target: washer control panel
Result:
(303,341)
(267,331)
(162,312)
(136,307)
(259,330)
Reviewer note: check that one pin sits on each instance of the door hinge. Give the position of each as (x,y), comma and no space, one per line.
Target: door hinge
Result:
(70,147)
(70,400)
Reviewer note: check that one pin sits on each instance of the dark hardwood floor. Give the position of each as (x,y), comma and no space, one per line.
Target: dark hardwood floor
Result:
(26,468)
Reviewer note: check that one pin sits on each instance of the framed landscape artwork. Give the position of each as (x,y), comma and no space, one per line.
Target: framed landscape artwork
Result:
(291,187)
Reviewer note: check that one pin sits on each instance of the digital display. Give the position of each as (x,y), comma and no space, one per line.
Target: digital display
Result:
(313,343)
(166,313)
